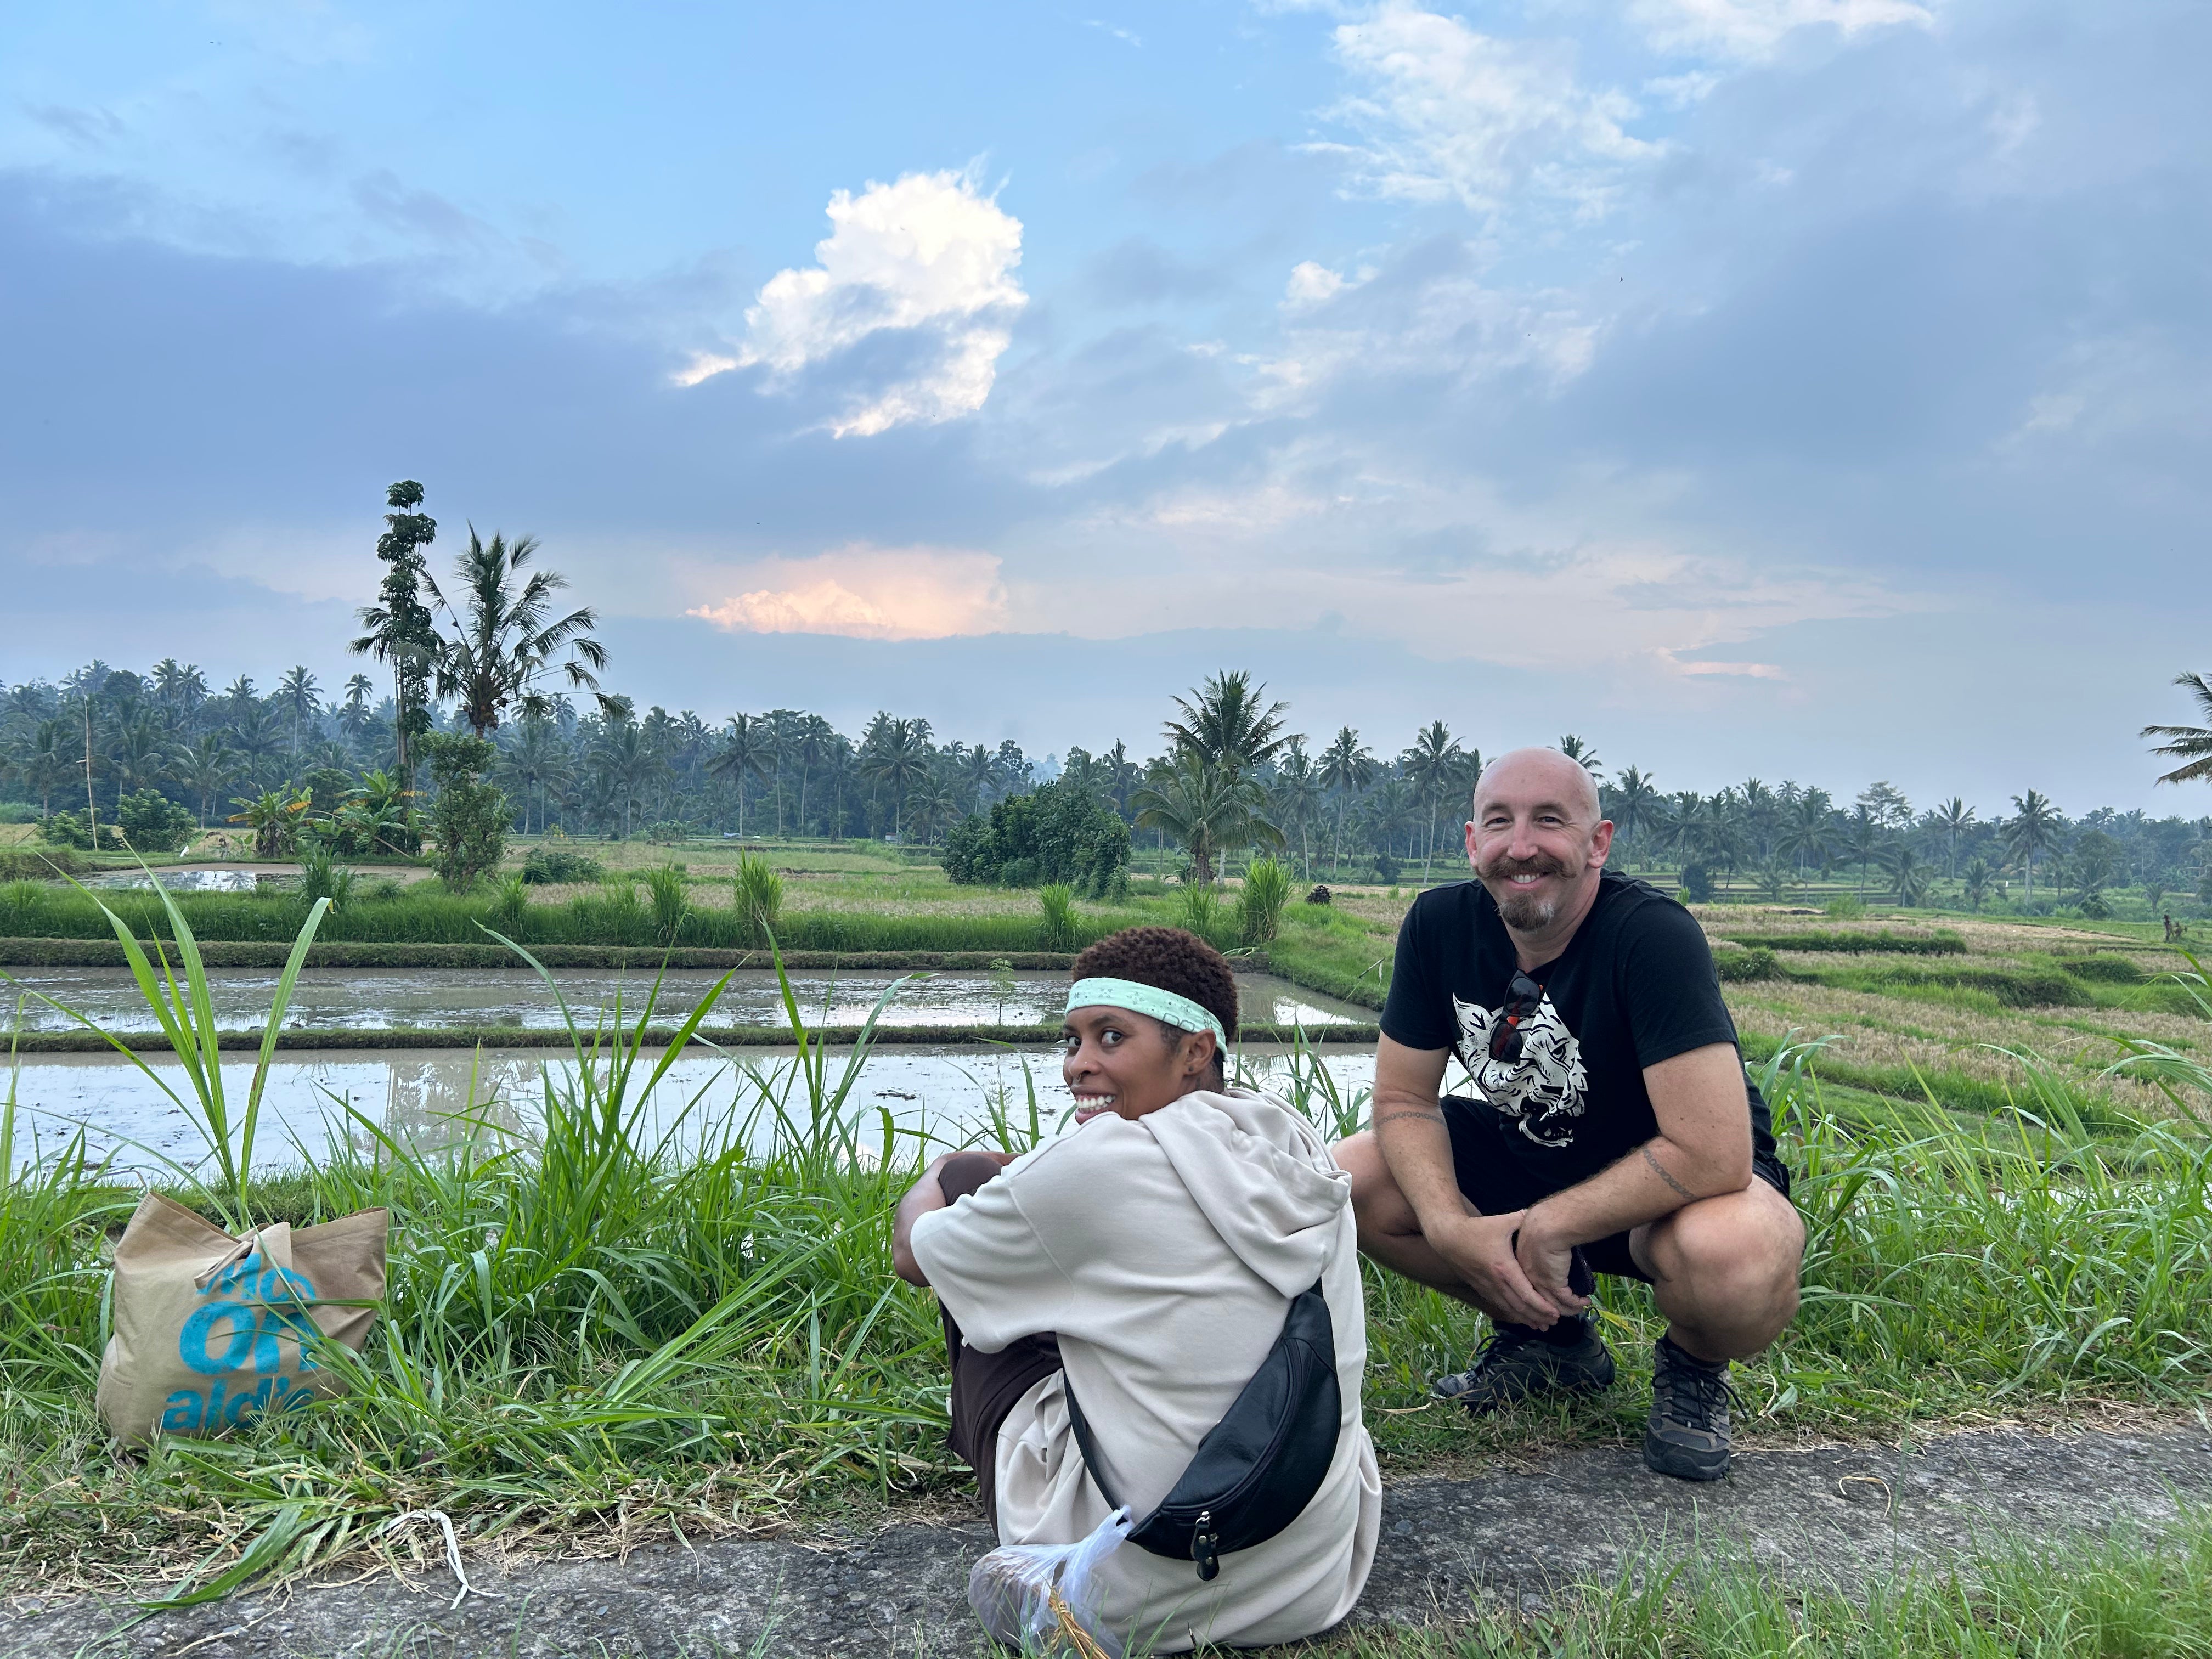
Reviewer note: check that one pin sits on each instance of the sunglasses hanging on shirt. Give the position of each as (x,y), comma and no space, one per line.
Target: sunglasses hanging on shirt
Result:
(1523,998)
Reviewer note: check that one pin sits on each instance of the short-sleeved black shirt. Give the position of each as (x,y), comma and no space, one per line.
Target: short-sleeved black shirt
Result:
(1635,985)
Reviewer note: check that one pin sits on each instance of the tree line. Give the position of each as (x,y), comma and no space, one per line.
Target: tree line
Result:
(490,688)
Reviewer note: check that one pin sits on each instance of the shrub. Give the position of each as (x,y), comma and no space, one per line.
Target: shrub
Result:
(69,830)
(547,866)
(664,887)
(1752,964)
(509,909)
(468,820)
(2103,970)
(1697,884)
(1942,942)
(1846,906)
(36,863)
(760,898)
(1057,900)
(667,832)
(1201,910)
(1060,832)
(1260,905)
(152,823)
(321,877)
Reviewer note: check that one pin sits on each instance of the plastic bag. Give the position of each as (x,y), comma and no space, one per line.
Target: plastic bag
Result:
(1037,1597)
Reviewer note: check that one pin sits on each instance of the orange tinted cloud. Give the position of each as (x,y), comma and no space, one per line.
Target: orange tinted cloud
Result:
(869,593)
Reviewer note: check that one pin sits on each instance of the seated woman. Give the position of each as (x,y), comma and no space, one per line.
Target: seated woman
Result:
(1146,1259)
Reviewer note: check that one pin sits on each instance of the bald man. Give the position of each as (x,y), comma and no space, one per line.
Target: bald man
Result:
(1610,1128)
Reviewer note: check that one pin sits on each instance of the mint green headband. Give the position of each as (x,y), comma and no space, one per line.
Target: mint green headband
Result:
(1179,1011)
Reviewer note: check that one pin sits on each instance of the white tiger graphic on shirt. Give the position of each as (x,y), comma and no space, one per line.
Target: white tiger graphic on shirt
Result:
(1543,1092)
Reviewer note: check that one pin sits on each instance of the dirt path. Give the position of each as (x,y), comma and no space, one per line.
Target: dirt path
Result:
(1834,1516)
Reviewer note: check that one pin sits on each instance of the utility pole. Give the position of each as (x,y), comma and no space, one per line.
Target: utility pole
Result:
(91,809)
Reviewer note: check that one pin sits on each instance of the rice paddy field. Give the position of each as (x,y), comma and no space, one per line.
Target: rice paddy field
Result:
(603,1319)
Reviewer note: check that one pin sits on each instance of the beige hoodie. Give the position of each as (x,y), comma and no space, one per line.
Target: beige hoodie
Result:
(1164,1253)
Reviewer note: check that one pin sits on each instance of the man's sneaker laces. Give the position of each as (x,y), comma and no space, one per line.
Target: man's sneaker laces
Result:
(1687,1435)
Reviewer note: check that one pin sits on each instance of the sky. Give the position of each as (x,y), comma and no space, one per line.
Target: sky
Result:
(1809,389)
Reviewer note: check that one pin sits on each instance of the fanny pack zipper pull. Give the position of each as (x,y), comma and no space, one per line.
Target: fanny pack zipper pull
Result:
(1202,1542)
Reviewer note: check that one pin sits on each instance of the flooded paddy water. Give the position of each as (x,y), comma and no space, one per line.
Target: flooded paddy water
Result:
(951,1091)
(420,1095)
(416,999)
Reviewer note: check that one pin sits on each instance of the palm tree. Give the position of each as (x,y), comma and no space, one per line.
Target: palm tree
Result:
(1975,889)
(2190,744)
(897,757)
(628,762)
(505,638)
(1806,836)
(253,733)
(1225,721)
(2033,827)
(1863,840)
(1911,875)
(44,762)
(745,754)
(1431,766)
(1299,797)
(139,754)
(537,760)
(808,745)
(1347,767)
(1953,818)
(1579,752)
(205,770)
(1636,804)
(296,694)
(1206,807)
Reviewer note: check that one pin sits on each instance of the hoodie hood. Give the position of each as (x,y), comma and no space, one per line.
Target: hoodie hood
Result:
(1260,1176)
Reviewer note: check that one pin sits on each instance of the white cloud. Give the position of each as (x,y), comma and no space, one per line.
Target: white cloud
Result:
(1310,283)
(1753,29)
(1449,113)
(869,593)
(930,255)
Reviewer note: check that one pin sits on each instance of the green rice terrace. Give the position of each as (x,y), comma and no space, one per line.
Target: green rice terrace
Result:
(642,1149)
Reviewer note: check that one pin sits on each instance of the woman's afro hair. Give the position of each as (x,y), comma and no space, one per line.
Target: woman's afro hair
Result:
(1172,960)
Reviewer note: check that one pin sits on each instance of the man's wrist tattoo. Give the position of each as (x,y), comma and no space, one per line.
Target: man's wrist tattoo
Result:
(1651,1159)
(1391,1117)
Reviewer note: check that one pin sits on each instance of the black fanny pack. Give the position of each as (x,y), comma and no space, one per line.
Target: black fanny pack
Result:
(1259,1466)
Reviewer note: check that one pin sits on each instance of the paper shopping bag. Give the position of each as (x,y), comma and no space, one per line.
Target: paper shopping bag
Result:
(208,1327)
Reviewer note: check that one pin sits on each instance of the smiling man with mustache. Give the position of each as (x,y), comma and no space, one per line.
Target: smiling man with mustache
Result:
(1610,1127)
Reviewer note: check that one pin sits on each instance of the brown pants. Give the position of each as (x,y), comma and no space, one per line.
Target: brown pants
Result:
(985,1386)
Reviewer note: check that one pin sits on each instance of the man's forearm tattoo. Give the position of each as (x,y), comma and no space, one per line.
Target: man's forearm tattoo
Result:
(1392,1117)
(1688,1197)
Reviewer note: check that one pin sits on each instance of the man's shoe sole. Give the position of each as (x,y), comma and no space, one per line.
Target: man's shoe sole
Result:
(1682,1461)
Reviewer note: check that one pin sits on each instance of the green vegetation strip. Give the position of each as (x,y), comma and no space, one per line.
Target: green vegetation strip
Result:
(1943,942)
(657,1036)
(108,953)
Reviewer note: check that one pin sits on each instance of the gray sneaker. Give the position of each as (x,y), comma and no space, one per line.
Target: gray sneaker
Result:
(1517,1362)
(1687,1435)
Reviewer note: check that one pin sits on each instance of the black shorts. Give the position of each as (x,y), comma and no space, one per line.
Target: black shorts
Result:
(985,1386)
(1497,1181)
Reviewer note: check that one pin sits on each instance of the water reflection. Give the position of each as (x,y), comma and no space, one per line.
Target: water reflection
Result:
(180,881)
(351,999)
(426,1097)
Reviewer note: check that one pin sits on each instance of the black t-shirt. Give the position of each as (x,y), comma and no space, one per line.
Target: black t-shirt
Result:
(1635,985)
